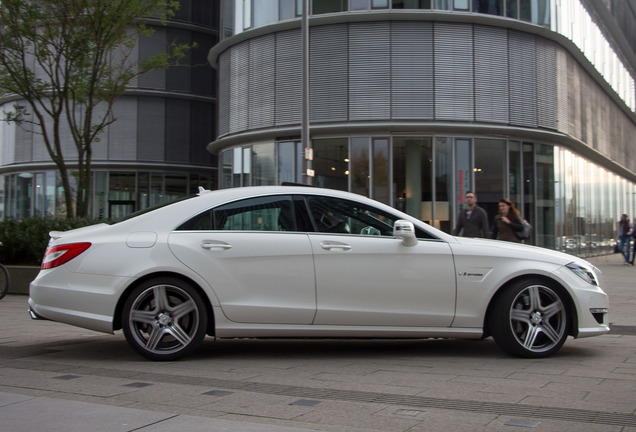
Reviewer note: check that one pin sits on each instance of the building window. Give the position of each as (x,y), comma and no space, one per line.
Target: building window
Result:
(490,168)
(460,5)
(329,6)
(286,159)
(263,164)
(413,175)
(331,163)
(411,4)
(381,171)
(491,7)
(441,213)
(360,173)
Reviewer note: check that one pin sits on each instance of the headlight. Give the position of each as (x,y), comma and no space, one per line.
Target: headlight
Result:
(584,273)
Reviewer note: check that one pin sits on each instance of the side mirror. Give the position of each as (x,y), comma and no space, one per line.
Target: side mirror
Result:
(405,230)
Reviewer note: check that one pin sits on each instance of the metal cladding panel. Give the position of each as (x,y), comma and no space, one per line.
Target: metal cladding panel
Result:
(224,93)
(454,73)
(412,80)
(288,81)
(329,67)
(178,130)
(261,82)
(122,135)
(523,80)
(369,71)
(546,84)
(239,86)
(151,131)
(492,84)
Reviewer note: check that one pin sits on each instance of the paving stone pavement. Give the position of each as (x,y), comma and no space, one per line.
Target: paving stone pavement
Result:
(55,377)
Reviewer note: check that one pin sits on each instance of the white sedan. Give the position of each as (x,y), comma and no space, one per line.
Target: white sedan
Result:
(294,262)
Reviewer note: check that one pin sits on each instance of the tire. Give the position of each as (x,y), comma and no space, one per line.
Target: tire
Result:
(164,319)
(4,281)
(530,319)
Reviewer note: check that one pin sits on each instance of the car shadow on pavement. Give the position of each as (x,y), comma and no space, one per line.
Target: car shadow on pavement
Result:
(115,348)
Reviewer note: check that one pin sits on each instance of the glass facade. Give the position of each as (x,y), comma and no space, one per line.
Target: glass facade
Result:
(116,193)
(572,203)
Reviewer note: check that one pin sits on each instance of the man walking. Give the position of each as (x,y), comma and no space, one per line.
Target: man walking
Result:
(472,220)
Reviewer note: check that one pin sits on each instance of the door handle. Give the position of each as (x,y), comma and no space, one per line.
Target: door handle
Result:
(213,244)
(334,245)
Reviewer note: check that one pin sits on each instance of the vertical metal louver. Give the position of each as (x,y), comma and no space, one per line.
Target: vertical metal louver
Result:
(562,90)
(288,77)
(261,82)
(412,80)
(574,97)
(369,71)
(239,74)
(523,79)
(492,84)
(329,73)
(224,94)
(454,75)
(546,84)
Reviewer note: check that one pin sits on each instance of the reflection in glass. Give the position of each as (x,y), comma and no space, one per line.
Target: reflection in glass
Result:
(328,6)
(263,165)
(491,7)
(286,158)
(490,167)
(443,184)
(265,12)
(411,4)
(464,171)
(331,163)
(544,226)
(413,172)
(360,175)
(381,171)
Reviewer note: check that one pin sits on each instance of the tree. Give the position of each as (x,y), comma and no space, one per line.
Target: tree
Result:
(64,64)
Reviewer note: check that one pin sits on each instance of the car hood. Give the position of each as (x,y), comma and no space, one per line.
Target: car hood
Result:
(498,248)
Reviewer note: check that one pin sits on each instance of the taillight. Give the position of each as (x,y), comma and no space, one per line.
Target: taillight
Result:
(57,255)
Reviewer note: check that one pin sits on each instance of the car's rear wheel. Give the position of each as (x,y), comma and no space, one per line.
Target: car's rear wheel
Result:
(530,319)
(164,319)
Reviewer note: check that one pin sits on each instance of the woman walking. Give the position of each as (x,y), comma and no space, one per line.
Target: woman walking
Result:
(507,222)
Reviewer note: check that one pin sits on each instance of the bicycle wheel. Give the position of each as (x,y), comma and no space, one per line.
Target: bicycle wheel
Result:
(4,281)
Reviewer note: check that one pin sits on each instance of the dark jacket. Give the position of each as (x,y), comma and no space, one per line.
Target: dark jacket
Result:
(474,226)
(503,231)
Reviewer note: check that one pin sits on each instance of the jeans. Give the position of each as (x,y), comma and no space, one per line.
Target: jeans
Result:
(625,243)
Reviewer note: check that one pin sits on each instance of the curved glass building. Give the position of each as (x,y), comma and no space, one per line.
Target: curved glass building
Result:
(415,102)
(154,152)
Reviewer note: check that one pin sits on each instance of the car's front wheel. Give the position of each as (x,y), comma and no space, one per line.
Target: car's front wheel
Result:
(530,319)
(164,319)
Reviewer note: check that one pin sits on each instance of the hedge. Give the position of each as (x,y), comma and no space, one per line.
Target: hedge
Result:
(24,241)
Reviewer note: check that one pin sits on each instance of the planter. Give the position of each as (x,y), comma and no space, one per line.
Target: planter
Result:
(20,277)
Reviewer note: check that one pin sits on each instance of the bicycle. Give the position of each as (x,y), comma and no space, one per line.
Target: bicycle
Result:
(4,280)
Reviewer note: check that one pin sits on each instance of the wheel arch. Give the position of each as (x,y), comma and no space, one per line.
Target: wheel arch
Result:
(122,299)
(571,307)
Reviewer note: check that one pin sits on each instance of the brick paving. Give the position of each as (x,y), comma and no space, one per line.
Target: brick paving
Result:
(56,377)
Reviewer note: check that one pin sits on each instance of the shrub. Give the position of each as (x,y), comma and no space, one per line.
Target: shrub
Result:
(24,241)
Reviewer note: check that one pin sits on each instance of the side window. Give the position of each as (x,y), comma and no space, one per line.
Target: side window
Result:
(334,215)
(201,222)
(273,213)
